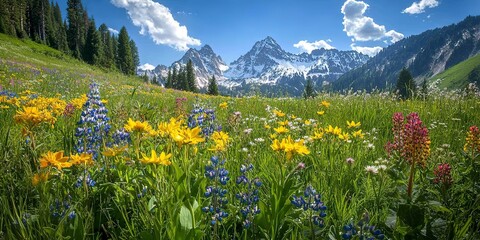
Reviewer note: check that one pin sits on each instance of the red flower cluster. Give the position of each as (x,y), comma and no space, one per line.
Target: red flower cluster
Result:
(443,176)
(410,139)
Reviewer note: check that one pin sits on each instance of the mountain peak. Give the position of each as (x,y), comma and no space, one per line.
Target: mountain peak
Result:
(206,48)
(268,42)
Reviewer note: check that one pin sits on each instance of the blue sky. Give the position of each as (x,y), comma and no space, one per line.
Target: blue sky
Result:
(231,27)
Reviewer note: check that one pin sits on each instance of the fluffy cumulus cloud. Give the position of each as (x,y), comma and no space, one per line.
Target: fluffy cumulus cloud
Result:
(419,7)
(361,27)
(156,20)
(146,66)
(370,51)
(112,30)
(307,46)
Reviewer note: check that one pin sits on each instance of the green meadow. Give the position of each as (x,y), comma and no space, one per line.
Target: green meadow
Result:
(164,164)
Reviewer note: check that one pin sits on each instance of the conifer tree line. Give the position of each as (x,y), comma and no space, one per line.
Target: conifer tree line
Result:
(182,78)
(78,35)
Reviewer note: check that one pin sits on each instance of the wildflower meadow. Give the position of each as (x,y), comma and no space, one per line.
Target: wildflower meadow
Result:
(90,155)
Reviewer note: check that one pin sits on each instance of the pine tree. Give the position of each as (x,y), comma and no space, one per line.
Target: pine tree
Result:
(76,27)
(212,86)
(191,77)
(174,82)
(92,53)
(135,57)
(107,55)
(114,49)
(182,80)
(309,92)
(405,85)
(168,83)
(125,60)
(62,38)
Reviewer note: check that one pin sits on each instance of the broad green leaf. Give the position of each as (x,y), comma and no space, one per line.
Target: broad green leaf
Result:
(185,218)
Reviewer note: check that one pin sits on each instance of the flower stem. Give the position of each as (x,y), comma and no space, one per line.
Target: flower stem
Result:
(410,181)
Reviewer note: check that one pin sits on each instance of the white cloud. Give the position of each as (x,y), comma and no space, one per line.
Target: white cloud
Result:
(156,20)
(310,46)
(396,36)
(370,51)
(363,28)
(114,31)
(419,7)
(146,66)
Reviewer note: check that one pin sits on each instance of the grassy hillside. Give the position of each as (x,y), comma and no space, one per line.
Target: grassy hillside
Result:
(456,77)
(124,159)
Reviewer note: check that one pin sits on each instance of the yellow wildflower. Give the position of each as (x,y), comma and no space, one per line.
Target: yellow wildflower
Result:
(266,126)
(273,136)
(187,136)
(164,128)
(283,123)
(317,135)
(296,148)
(290,147)
(79,102)
(137,126)
(325,104)
(39,177)
(162,159)
(352,124)
(281,130)
(278,113)
(114,151)
(358,134)
(320,113)
(308,122)
(220,146)
(221,136)
(223,105)
(335,131)
(82,159)
(277,145)
(32,116)
(56,159)
(344,136)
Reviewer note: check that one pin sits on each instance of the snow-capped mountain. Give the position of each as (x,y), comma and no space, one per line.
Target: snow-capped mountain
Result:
(205,63)
(424,55)
(159,73)
(267,63)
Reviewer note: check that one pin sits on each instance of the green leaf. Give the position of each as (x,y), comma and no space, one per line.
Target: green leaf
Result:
(151,203)
(185,218)
(438,207)
(411,215)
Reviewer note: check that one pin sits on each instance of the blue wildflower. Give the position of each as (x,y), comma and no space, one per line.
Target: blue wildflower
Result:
(363,230)
(60,208)
(87,179)
(249,197)
(203,118)
(311,201)
(93,127)
(218,176)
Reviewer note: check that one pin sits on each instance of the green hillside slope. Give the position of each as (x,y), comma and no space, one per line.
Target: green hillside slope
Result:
(26,54)
(457,76)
